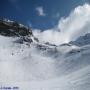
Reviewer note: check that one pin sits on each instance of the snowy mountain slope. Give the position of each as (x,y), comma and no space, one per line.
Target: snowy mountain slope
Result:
(35,65)
(82,40)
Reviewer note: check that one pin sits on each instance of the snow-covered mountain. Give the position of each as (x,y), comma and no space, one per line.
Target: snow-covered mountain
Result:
(32,65)
(82,40)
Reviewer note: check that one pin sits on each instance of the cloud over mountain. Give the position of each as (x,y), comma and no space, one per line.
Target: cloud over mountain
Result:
(68,28)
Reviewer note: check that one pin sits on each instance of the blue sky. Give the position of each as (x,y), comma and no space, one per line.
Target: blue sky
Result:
(39,14)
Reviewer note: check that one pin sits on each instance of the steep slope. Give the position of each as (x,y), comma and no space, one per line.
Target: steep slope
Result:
(16,30)
(13,28)
(34,65)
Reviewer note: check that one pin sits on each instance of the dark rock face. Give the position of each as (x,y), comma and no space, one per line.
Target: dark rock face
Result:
(13,28)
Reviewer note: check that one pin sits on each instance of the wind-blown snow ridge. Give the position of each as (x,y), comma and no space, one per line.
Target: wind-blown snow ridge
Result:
(35,65)
(41,66)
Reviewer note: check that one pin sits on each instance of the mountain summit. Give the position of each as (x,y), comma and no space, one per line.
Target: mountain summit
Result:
(13,28)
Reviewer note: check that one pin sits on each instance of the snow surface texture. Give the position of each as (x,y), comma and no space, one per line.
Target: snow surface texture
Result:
(44,67)
(39,66)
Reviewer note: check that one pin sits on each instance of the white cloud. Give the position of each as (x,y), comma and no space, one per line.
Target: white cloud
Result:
(40,11)
(71,27)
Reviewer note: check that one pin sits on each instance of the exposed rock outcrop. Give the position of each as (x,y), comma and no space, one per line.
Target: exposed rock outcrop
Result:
(13,28)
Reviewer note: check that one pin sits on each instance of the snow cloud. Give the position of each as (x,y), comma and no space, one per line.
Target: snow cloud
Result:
(69,28)
(40,11)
